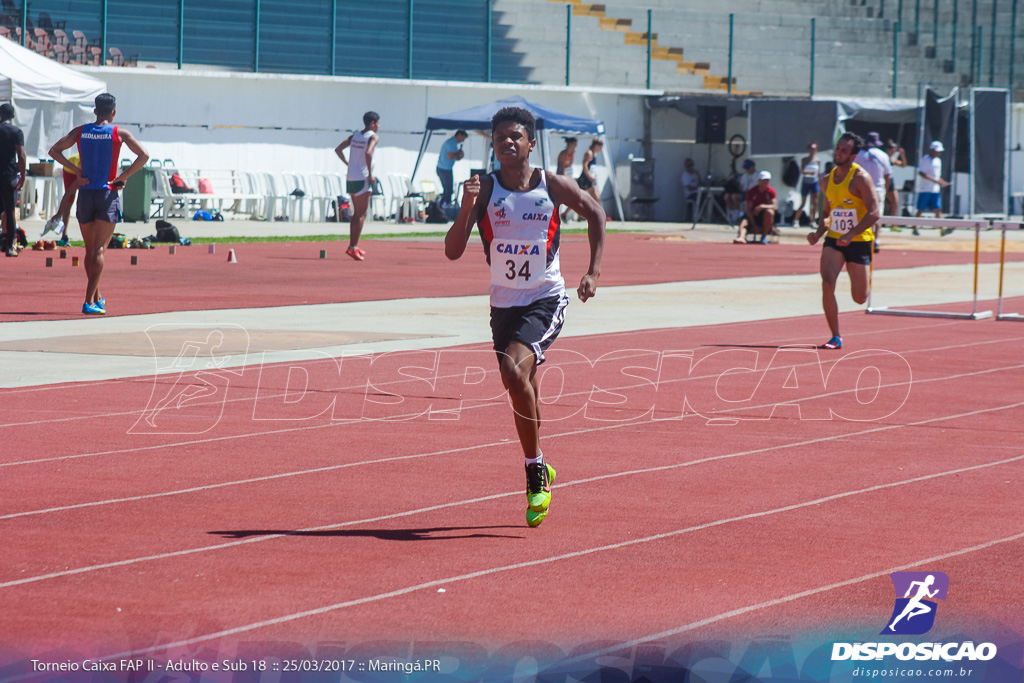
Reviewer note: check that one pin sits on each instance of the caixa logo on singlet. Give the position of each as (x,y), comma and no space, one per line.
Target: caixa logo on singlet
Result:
(536,217)
(518,249)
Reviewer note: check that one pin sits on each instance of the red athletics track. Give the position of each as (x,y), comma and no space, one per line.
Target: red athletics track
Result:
(292,273)
(321,535)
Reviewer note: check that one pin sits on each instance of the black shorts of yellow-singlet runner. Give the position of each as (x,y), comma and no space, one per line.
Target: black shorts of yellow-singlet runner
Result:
(854,252)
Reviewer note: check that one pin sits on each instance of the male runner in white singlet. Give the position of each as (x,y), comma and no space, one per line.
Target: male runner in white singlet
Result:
(517,209)
(360,177)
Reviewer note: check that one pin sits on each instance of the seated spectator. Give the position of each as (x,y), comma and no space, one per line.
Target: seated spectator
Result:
(762,203)
(732,196)
(748,178)
(691,185)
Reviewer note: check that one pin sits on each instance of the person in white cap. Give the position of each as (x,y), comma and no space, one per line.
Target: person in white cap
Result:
(761,206)
(930,182)
(878,165)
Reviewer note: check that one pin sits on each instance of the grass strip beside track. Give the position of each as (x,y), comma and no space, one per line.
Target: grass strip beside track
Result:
(242,239)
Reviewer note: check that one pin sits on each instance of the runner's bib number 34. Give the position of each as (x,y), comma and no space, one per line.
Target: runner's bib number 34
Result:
(843,220)
(518,264)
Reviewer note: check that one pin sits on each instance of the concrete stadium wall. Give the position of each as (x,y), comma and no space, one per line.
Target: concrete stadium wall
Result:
(221,120)
(265,122)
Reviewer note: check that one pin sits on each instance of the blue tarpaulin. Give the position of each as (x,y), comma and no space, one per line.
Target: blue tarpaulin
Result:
(479,118)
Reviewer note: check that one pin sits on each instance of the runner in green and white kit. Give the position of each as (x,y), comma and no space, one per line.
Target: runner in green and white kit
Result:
(360,177)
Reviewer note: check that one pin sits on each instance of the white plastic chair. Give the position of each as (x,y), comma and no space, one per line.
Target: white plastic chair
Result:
(277,199)
(322,196)
(412,201)
(428,190)
(395,195)
(247,182)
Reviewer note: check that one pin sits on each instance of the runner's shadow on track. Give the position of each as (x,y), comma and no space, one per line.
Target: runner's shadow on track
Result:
(761,346)
(424,534)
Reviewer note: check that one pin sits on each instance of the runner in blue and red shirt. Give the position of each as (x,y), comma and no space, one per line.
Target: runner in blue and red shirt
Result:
(99,207)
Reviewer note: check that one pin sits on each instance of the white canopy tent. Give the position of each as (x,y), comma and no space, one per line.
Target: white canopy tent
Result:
(49,99)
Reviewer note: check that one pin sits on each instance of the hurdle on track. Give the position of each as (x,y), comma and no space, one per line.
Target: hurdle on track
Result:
(904,222)
(1004,226)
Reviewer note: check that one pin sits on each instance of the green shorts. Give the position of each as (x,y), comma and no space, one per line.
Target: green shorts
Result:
(354,187)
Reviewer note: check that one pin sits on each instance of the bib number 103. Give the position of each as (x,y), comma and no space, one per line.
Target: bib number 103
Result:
(843,220)
(518,264)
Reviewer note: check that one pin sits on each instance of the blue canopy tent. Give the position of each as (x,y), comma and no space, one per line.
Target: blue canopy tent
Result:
(479,118)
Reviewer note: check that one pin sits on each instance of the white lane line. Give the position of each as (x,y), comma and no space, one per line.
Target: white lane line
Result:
(149,378)
(590,551)
(790,598)
(339,423)
(329,468)
(604,477)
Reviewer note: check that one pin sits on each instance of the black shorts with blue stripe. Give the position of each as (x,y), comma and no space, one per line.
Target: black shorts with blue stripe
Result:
(536,325)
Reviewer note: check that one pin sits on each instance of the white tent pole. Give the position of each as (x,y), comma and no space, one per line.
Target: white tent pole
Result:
(423,149)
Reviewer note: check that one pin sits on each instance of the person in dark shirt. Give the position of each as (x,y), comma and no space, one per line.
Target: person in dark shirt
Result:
(12,174)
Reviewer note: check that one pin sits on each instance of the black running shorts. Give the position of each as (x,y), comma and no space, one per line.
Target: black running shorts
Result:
(98,205)
(536,325)
(855,252)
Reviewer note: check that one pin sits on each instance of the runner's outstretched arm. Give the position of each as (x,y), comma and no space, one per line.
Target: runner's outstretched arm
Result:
(565,191)
(823,222)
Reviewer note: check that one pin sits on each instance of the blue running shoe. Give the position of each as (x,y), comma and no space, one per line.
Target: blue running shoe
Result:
(93,309)
(833,343)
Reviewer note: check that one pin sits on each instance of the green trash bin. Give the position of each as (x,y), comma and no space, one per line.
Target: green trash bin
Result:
(137,196)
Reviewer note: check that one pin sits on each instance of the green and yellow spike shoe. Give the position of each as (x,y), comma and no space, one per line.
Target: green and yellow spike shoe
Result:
(539,480)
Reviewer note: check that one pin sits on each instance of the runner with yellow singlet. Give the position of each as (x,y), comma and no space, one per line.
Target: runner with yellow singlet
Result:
(849,210)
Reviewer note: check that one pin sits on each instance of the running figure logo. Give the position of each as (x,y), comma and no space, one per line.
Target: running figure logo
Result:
(194,370)
(914,612)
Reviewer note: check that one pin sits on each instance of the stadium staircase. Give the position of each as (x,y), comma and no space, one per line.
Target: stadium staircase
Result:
(853,45)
